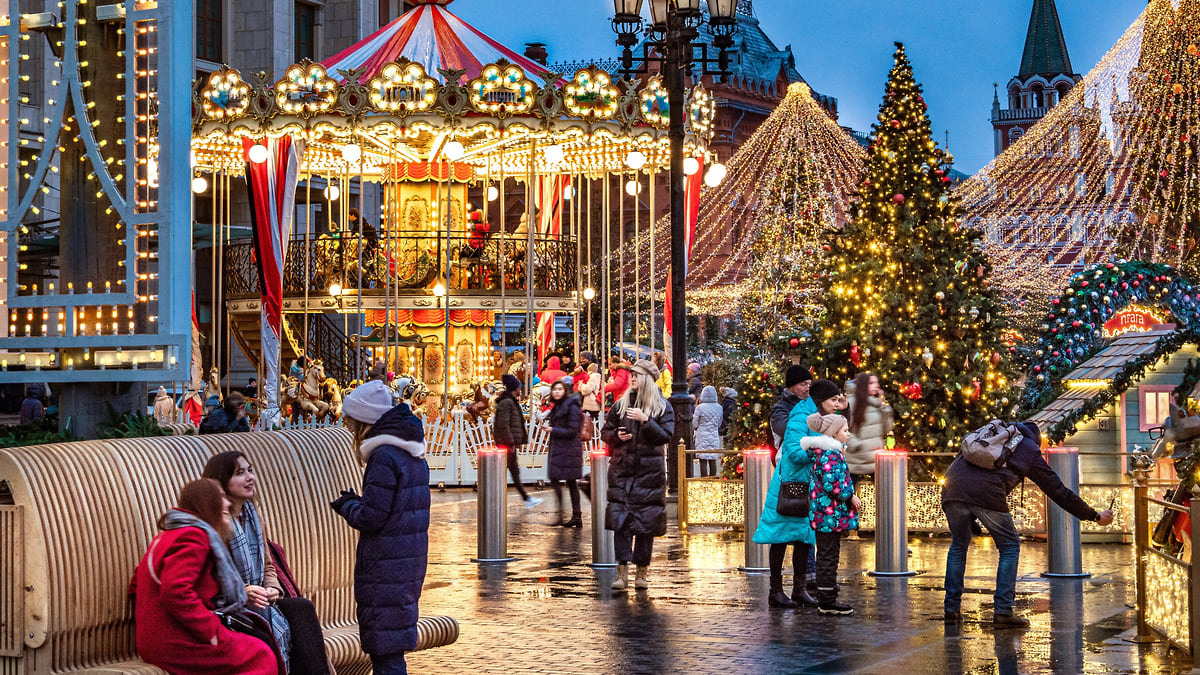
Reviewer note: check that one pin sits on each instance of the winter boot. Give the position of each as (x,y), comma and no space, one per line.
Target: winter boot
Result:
(642,581)
(575,521)
(777,597)
(622,581)
(801,596)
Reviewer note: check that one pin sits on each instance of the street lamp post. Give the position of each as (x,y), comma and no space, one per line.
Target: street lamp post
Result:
(674,26)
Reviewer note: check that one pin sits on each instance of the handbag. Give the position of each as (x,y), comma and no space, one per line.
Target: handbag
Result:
(250,623)
(793,499)
(587,430)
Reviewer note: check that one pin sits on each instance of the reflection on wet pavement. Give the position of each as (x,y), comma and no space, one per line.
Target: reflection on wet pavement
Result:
(549,612)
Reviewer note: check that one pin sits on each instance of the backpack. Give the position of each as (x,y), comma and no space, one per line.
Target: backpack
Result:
(990,446)
(587,430)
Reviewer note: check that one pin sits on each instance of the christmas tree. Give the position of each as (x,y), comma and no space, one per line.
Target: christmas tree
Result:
(782,295)
(908,294)
(757,393)
(1166,90)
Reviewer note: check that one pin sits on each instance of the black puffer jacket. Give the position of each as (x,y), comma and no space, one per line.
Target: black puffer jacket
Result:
(508,429)
(989,488)
(566,450)
(392,517)
(637,476)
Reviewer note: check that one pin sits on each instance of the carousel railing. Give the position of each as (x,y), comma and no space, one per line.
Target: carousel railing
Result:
(327,341)
(409,262)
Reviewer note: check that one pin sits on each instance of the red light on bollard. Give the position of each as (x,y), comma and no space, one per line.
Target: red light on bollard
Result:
(603,452)
(488,449)
(761,450)
(1061,449)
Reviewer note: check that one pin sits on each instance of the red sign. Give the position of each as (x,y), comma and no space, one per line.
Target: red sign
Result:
(1131,320)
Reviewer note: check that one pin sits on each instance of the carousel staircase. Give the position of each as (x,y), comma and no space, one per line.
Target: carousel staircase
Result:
(326,341)
(248,334)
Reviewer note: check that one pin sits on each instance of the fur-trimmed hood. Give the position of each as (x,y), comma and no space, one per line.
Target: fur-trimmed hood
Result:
(821,443)
(397,427)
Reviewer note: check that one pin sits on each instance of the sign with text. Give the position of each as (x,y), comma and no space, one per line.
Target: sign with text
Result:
(1132,320)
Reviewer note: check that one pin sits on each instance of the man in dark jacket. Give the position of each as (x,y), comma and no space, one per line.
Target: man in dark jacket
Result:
(229,418)
(972,492)
(796,383)
(509,432)
(392,518)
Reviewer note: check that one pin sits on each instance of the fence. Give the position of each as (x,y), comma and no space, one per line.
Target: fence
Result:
(708,501)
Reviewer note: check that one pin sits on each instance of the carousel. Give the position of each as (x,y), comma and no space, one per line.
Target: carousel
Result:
(408,194)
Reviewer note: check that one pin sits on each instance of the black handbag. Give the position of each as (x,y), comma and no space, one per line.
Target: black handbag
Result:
(251,623)
(793,499)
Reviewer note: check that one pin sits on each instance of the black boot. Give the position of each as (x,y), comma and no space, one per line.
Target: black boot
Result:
(802,597)
(575,521)
(778,598)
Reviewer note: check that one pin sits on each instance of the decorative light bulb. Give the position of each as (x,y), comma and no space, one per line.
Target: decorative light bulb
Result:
(555,154)
(589,293)
(633,188)
(335,289)
(568,192)
(259,154)
(199,184)
(454,151)
(493,193)
(690,166)
(635,160)
(714,175)
(352,153)
(439,290)
(332,193)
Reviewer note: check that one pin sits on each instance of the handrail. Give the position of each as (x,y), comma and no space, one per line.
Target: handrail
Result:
(1169,505)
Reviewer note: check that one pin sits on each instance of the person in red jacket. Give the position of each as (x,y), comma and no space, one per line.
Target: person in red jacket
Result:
(185,578)
(618,378)
(553,371)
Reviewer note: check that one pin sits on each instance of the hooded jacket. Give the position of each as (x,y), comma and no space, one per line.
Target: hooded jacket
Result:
(620,381)
(566,450)
(989,488)
(508,426)
(637,476)
(794,463)
(706,420)
(871,436)
(553,371)
(830,509)
(588,386)
(392,517)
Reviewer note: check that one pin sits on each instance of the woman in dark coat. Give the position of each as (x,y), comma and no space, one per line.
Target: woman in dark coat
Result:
(566,450)
(636,430)
(392,517)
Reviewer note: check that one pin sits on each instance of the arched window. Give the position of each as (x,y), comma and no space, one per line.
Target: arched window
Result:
(1015,134)
(1063,89)
(1014,97)
(1038,100)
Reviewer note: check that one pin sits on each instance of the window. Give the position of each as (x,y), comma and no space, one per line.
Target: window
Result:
(209,26)
(306,31)
(1081,184)
(1154,403)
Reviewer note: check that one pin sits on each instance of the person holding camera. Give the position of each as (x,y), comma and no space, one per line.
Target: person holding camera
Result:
(975,492)
(637,430)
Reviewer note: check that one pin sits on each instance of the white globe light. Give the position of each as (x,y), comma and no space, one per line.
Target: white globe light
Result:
(454,151)
(589,293)
(351,153)
(555,154)
(714,175)
(332,193)
(493,193)
(633,188)
(635,160)
(259,154)
(199,184)
(439,290)
(335,289)
(568,192)
(690,166)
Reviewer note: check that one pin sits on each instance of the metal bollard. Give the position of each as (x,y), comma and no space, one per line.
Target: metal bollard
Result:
(1062,529)
(603,552)
(756,466)
(891,514)
(493,506)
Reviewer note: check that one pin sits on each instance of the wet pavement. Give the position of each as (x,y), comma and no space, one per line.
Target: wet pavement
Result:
(549,612)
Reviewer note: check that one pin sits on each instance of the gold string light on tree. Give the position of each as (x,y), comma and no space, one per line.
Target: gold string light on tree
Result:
(909,296)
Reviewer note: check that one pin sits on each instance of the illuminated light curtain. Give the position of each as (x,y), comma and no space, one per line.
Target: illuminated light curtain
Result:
(550,208)
(272,192)
(691,210)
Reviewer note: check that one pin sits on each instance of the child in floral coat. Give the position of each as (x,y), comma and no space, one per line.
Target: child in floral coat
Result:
(834,506)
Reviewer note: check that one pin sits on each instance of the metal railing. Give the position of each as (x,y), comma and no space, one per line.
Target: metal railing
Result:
(409,262)
(710,500)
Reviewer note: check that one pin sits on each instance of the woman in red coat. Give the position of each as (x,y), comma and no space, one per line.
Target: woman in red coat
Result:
(186,576)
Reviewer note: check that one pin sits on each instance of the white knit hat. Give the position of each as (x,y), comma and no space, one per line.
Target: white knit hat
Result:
(368,402)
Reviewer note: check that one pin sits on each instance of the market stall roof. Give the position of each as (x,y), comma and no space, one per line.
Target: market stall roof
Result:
(435,38)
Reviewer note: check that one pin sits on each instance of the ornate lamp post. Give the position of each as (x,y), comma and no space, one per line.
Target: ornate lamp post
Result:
(674,26)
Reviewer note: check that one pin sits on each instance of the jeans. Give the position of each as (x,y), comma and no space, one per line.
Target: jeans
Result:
(514,467)
(636,548)
(960,515)
(573,488)
(389,664)
(708,467)
(829,550)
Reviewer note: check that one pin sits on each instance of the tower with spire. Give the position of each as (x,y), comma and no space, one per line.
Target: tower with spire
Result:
(1044,79)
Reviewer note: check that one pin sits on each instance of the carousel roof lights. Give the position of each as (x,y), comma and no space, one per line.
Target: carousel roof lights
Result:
(258,154)
(635,160)
(690,166)
(454,151)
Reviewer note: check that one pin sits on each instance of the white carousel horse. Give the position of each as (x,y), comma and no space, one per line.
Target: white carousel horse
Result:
(309,391)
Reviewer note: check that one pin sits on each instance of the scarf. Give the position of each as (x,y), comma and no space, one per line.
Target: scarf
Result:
(232,597)
(246,549)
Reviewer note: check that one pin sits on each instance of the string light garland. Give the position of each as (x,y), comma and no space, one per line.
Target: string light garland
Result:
(909,296)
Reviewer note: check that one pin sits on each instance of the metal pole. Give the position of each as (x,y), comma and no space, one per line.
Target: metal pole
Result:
(891,514)
(757,464)
(493,506)
(673,63)
(1062,529)
(603,551)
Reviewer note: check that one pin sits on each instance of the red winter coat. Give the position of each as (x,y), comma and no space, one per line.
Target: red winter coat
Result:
(620,382)
(175,585)
(553,371)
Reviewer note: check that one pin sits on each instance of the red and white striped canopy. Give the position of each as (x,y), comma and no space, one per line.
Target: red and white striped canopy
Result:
(433,37)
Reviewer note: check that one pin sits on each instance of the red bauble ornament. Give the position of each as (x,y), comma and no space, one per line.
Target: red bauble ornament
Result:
(855,355)
(765,377)
(911,390)
(895,124)
(794,342)
(898,198)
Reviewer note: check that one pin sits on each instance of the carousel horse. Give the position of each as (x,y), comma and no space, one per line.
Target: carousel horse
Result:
(331,393)
(289,392)
(212,391)
(481,407)
(309,392)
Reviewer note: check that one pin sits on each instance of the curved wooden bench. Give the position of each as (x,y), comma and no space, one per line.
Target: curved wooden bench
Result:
(75,519)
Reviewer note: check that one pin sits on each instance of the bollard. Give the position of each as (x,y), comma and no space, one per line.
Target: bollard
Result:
(603,552)
(756,468)
(1062,529)
(493,505)
(891,514)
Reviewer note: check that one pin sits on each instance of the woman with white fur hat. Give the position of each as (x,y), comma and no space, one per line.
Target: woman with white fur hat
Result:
(392,517)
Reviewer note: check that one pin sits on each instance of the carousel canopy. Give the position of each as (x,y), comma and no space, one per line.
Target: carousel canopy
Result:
(433,37)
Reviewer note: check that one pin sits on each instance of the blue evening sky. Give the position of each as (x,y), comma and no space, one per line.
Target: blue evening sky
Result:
(843,48)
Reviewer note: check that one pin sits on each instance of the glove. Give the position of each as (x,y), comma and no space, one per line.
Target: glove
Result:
(347,495)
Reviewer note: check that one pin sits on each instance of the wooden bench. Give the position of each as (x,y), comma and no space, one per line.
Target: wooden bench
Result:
(75,519)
